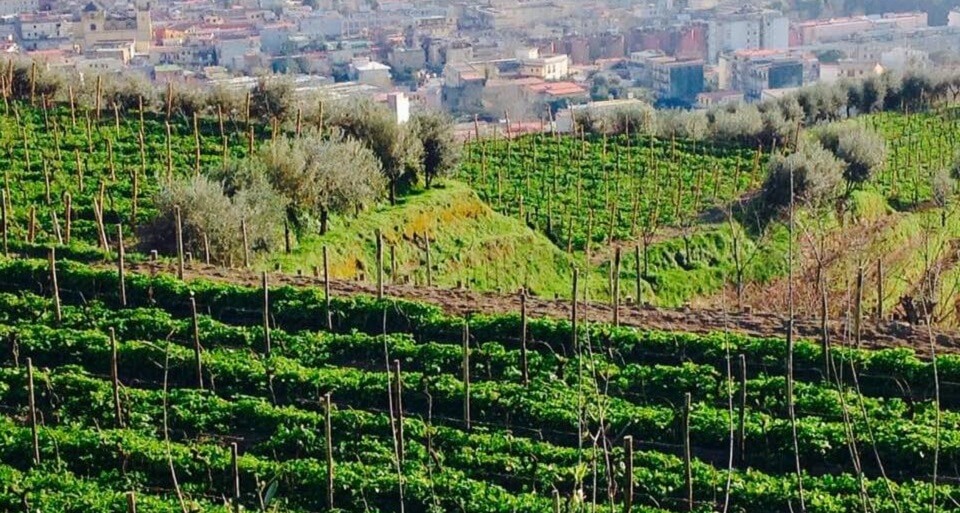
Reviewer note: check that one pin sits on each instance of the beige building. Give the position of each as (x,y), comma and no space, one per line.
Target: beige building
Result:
(99,26)
(554,67)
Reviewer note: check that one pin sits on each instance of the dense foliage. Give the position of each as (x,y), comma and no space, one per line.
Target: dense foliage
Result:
(524,438)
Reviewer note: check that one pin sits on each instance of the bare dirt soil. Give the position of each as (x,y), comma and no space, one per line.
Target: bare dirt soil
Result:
(885,334)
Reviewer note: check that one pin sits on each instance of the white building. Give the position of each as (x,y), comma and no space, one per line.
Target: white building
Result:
(371,73)
(400,107)
(765,30)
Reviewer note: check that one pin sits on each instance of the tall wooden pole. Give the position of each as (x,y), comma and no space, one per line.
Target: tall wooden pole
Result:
(33,413)
(328,441)
(235,481)
(4,224)
(115,379)
(121,271)
(197,359)
(687,453)
(246,245)
(573,309)
(524,366)
(67,217)
(741,423)
(429,264)
(616,286)
(326,289)
(179,229)
(379,265)
(466,374)
(628,474)
(58,312)
(131,502)
(399,392)
(266,313)
(879,290)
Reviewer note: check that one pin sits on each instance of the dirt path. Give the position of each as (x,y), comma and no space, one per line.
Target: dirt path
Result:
(460,302)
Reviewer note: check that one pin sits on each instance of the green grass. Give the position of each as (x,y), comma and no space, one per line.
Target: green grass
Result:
(469,244)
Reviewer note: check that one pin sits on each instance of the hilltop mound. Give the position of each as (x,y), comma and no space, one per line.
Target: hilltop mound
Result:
(470,245)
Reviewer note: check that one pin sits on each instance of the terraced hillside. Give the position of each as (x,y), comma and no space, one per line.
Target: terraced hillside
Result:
(492,413)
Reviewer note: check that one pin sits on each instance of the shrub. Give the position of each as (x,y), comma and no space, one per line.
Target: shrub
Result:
(396,146)
(861,150)
(319,177)
(441,151)
(816,174)
(207,210)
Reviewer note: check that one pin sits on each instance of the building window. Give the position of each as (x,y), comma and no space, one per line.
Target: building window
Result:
(93,26)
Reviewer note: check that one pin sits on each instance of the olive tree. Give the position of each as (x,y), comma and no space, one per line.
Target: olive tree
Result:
(322,176)
(738,123)
(814,171)
(396,146)
(212,217)
(272,98)
(441,151)
(861,150)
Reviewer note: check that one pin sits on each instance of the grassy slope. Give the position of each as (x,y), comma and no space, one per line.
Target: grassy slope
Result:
(469,243)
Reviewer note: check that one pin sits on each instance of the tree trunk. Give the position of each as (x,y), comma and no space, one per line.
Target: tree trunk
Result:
(324,221)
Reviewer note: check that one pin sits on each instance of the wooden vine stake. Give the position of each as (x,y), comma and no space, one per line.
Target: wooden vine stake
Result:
(32,225)
(4,224)
(399,392)
(429,263)
(179,229)
(328,441)
(115,379)
(33,413)
(858,307)
(235,477)
(101,229)
(246,245)
(99,98)
(58,312)
(466,374)
(206,249)
(67,217)
(524,368)
(73,106)
(573,310)
(169,153)
(135,192)
(196,143)
(393,264)
(197,357)
(131,502)
(879,291)
(628,474)
(687,456)
(56,226)
(266,313)
(121,267)
(110,160)
(326,289)
(379,265)
(616,287)
(46,182)
(741,426)
(639,276)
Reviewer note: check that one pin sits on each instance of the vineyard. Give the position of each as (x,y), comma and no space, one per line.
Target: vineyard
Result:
(125,387)
(140,389)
